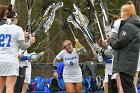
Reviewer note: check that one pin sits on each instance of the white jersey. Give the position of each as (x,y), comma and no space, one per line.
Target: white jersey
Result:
(71,68)
(25,62)
(138,66)
(9,37)
(116,26)
(109,66)
(28,64)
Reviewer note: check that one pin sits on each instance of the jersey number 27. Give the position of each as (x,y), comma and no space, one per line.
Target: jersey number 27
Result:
(5,40)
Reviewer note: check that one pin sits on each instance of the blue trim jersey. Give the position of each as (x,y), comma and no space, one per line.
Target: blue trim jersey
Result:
(71,68)
(9,37)
(23,62)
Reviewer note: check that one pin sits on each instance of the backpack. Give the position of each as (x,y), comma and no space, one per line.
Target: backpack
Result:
(89,69)
(89,84)
(46,87)
(58,84)
(55,85)
(60,67)
(38,83)
(99,83)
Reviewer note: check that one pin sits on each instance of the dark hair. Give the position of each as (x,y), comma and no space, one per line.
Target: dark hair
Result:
(2,10)
(10,13)
(115,17)
(5,10)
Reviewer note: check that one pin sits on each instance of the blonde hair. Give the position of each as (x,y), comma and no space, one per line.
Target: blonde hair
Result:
(129,8)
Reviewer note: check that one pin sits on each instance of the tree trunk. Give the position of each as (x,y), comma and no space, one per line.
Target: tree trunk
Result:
(137,5)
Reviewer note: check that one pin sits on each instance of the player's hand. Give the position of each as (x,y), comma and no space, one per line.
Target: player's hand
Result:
(20,56)
(33,40)
(26,34)
(55,74)
(41,54)
(76,40)
(104,42)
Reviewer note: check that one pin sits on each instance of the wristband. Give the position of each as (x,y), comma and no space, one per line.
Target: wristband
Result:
(24,58)
(54,68)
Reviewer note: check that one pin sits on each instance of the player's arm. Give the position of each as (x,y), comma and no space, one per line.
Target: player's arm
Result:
(55,74)
(32,56)
(79,48)
(24,45)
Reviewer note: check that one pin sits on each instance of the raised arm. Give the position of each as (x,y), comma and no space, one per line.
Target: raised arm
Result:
(79,48)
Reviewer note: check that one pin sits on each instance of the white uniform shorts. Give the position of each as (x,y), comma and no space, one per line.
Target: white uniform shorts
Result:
(28,74)
(138,66)
(73,80)
(9,69)
(108,71)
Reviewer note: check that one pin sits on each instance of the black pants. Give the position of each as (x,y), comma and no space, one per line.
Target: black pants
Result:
(127,83)
(20,80)
(112,85)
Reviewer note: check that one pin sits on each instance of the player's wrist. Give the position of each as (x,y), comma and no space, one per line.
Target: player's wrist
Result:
(54,68)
